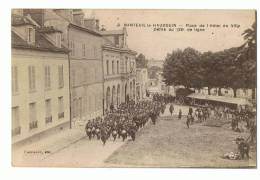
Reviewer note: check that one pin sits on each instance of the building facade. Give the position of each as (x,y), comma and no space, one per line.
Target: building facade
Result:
(86,75)
(119,69)
(141,83)
(40,81)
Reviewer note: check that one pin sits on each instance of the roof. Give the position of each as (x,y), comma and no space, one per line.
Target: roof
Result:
(41,43)
(48,29)
(224,99)
(85,29)
(112,32)
(20,20)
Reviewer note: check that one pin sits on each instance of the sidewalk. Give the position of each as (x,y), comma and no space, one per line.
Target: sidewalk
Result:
(30,154)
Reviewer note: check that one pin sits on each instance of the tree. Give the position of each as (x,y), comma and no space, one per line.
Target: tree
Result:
(248,57)
(141,61)
(182,67)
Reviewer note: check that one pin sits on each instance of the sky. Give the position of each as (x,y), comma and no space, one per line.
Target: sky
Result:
(156,44)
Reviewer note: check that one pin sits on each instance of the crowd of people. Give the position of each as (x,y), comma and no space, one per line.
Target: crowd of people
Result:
(124,121)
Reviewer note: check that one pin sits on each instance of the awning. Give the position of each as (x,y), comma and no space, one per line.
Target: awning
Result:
(224,99)
(153,90)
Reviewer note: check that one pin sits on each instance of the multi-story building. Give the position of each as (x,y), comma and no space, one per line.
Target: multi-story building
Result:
(141,83)
(119,68)
(40,81)
(85,44)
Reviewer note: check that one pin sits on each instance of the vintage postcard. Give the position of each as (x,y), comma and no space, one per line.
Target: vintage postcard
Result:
(133,88)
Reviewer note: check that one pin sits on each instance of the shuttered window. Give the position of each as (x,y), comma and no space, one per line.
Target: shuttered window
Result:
(14,79)
(32,78)
(47,77)
(61,79)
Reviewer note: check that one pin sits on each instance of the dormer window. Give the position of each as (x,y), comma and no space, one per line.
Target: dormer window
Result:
(31,35)
(58,40)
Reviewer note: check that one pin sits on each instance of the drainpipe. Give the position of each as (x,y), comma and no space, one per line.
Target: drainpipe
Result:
(103,82)
(68,28)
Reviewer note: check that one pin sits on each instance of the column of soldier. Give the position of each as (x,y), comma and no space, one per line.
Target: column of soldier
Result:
(124,121)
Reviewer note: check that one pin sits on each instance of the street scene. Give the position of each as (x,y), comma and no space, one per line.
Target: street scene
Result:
(134,88)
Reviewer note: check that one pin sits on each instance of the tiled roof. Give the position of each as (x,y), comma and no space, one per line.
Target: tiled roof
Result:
(41,43)
(48,29)
(85,29)
(112,32)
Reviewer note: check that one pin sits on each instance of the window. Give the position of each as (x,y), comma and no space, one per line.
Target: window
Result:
(61,79)
(83,50)
(31,74)
(58,40)
(126,68)
(95,51)
(30,35)
(117,40)
(14,79)
(48,116)
(60,107)
(74,112)
(96,73)
(72,48)
(33,123)
(16,128)
(113,71)
(117,67)
(47,77)
(107,67)
(73,77)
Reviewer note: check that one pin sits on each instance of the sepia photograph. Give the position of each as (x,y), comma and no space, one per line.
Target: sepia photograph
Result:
(133,88)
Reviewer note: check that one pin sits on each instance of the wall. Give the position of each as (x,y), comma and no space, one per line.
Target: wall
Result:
(22,59)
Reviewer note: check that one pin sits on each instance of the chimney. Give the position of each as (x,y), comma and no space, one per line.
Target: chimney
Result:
(78,17)
(65,13)
(91,23)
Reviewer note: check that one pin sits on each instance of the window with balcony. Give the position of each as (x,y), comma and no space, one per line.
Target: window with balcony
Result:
(16,128)
(33,123)
(60,107)
(48,115)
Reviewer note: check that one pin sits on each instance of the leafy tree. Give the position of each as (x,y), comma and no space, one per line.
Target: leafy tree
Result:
(248,57)
(141,61)
(182,68)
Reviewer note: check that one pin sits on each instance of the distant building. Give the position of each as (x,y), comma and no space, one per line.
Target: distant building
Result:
(40,79)
(141,83)
(156,84)
(154,62)
(119,68)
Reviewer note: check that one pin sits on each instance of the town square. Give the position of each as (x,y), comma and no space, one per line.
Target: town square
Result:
(98,88)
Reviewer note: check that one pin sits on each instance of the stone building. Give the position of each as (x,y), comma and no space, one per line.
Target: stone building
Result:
(40,79)
(85,44)
(119,68)
(141,83)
